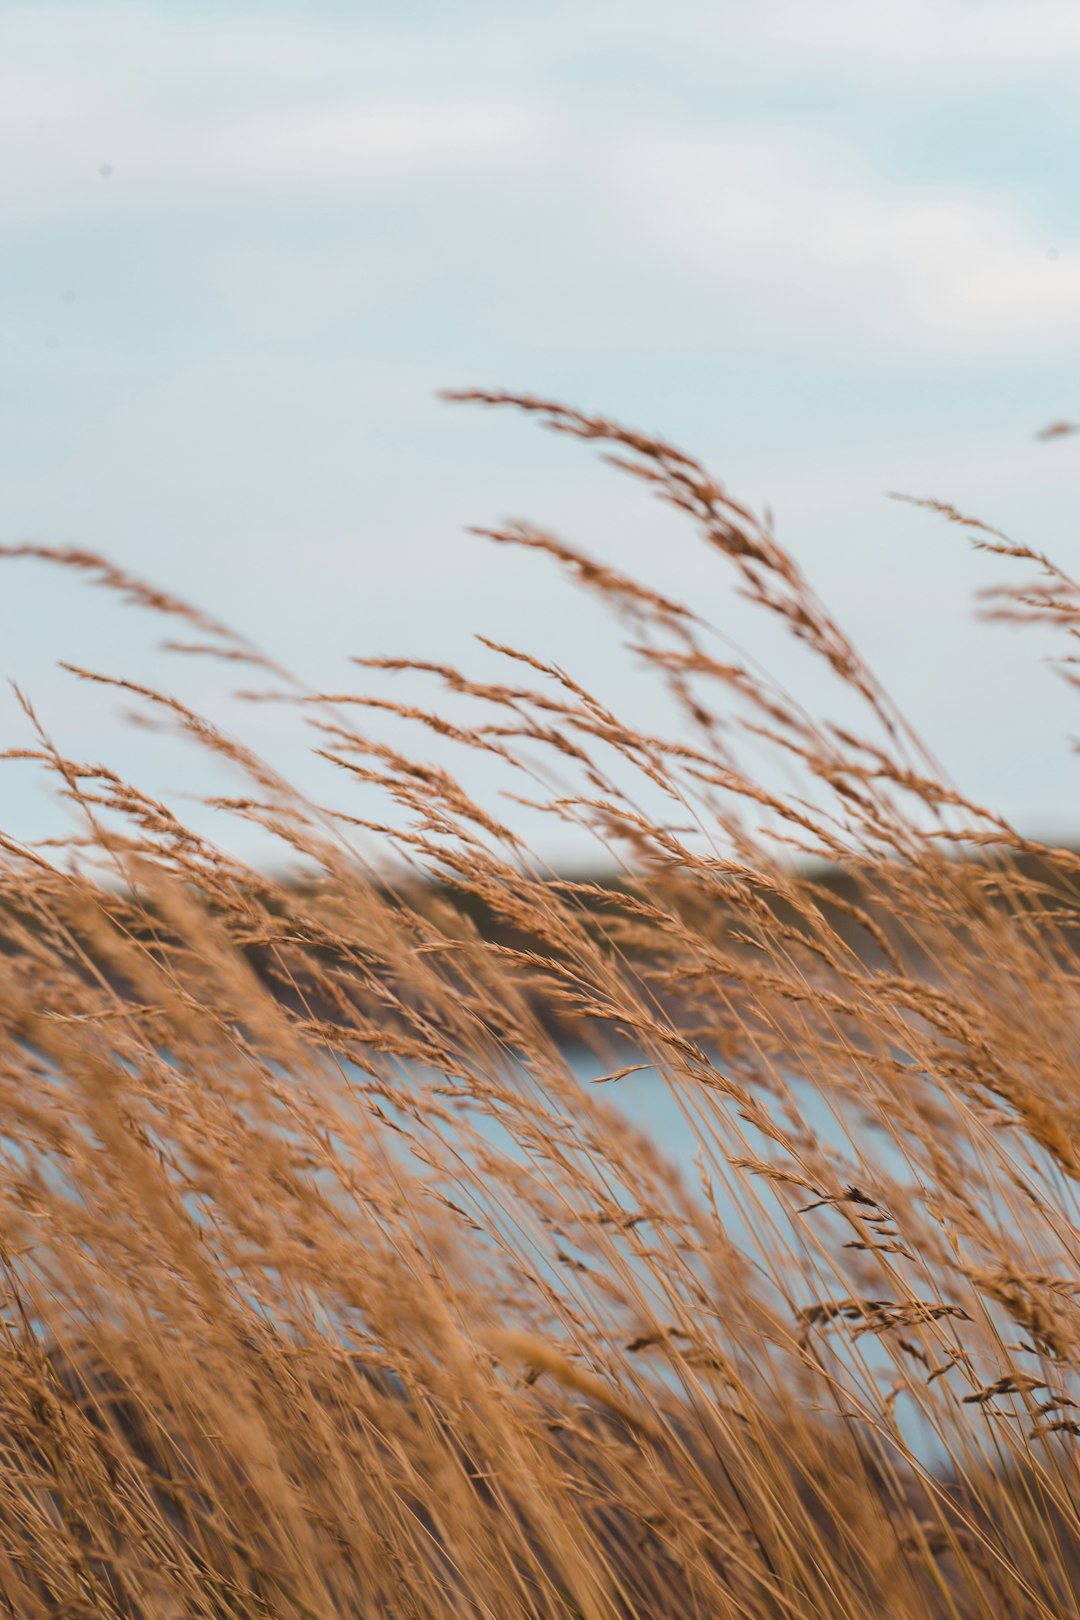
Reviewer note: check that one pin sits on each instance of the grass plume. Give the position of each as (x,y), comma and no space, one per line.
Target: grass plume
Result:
(331,1288)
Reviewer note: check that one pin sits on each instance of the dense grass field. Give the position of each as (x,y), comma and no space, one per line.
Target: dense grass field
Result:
(331,1289)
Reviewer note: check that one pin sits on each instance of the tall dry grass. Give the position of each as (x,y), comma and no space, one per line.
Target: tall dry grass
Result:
(330,1289)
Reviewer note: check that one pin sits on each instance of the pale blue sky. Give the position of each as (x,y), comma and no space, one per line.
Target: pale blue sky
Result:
(833,248)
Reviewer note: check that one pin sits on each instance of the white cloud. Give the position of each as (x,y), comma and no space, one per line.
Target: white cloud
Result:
(902,44)
(577,221)
(376,141)
(812,244)
(936,41)
(181,106)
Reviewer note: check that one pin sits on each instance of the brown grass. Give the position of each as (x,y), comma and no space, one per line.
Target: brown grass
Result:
(330,1289)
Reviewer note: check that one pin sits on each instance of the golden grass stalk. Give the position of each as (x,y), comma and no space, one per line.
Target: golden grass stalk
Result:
(330,1285)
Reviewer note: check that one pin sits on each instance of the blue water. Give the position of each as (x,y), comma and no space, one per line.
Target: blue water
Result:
(794,1259)
(782,1252)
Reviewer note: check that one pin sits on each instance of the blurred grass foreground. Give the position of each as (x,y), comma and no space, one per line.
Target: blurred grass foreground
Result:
(337,1281)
